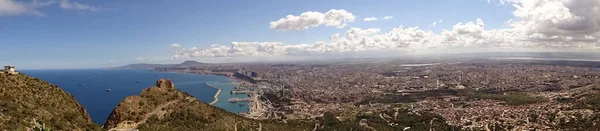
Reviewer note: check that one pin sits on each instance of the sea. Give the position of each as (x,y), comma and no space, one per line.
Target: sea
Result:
(89,87)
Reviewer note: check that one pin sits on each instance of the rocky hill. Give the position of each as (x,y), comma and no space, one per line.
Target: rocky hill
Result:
(24,98)
(163,107)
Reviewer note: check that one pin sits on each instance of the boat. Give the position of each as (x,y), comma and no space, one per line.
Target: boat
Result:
(137,82)
(108,90)
(241,105)
(80,85)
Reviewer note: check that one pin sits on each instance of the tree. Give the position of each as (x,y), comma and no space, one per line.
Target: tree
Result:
(329,119)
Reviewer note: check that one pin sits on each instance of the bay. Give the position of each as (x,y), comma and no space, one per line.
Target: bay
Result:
(89,86)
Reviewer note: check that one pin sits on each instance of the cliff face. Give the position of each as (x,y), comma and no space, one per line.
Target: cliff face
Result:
(164,108)
(24,98)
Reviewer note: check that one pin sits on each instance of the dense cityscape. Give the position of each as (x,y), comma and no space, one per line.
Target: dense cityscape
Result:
(477,94)
(304,65)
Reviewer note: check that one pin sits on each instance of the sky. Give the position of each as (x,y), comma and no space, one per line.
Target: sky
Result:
(59,34)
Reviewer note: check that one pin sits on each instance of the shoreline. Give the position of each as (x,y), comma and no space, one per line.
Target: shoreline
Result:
(253,107)
(216,94)
(230,76)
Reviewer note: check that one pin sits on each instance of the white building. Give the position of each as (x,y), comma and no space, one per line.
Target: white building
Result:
(10,70)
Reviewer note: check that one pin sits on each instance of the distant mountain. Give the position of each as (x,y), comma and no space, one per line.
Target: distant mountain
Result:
(140,66)
(164,108)
(24,99)
(152,66)
(190,63)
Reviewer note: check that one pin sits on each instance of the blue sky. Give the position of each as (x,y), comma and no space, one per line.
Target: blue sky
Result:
(115,32)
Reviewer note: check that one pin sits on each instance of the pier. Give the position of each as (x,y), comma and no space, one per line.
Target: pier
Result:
(234,100)
(241,91)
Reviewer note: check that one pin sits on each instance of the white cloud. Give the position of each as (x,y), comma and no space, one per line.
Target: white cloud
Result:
(13,8)
(374,19)
(568,23)
(370,19)
(175,46)
(139,59)
(469,27)
(332,18)
(67,5)
(504,2)
(435,23)
(541,25)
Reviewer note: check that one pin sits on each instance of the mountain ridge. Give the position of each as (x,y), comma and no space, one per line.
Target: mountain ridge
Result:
(152,66)
(24,99)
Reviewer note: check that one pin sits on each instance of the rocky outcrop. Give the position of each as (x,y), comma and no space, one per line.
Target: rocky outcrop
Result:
(165,83)
(135,110)
(164,108)
(24,98)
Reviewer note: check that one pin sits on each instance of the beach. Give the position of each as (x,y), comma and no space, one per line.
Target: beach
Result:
(216,94)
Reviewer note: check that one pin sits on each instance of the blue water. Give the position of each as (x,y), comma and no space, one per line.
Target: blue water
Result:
(226,94)
(99,103)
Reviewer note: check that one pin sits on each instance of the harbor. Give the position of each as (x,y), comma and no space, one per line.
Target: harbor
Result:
(239,107)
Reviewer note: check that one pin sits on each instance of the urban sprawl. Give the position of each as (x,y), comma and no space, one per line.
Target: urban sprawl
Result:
(470,93)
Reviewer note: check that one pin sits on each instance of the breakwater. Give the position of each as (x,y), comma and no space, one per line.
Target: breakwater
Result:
(216,94)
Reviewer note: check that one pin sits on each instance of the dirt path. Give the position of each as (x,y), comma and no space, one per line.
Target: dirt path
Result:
(156,111)
(146,116)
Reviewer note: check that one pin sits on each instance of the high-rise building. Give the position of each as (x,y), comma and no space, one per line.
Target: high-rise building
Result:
(254,74)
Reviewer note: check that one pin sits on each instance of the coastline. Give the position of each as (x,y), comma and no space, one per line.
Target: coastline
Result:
(224,74)
(234,81)
(216,94)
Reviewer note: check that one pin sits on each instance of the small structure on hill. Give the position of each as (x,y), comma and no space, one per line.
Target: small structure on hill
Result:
(10,70)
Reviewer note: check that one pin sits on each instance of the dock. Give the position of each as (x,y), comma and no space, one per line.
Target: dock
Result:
(234,100)
(240,91)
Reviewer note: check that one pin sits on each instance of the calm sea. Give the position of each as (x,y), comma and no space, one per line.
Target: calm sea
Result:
(89,87)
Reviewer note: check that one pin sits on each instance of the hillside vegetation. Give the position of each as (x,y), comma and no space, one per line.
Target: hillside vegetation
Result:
(162,107)
(29,103)
(24,98)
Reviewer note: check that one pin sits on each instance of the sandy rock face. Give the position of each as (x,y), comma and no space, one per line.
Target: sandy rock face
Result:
(134,110)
